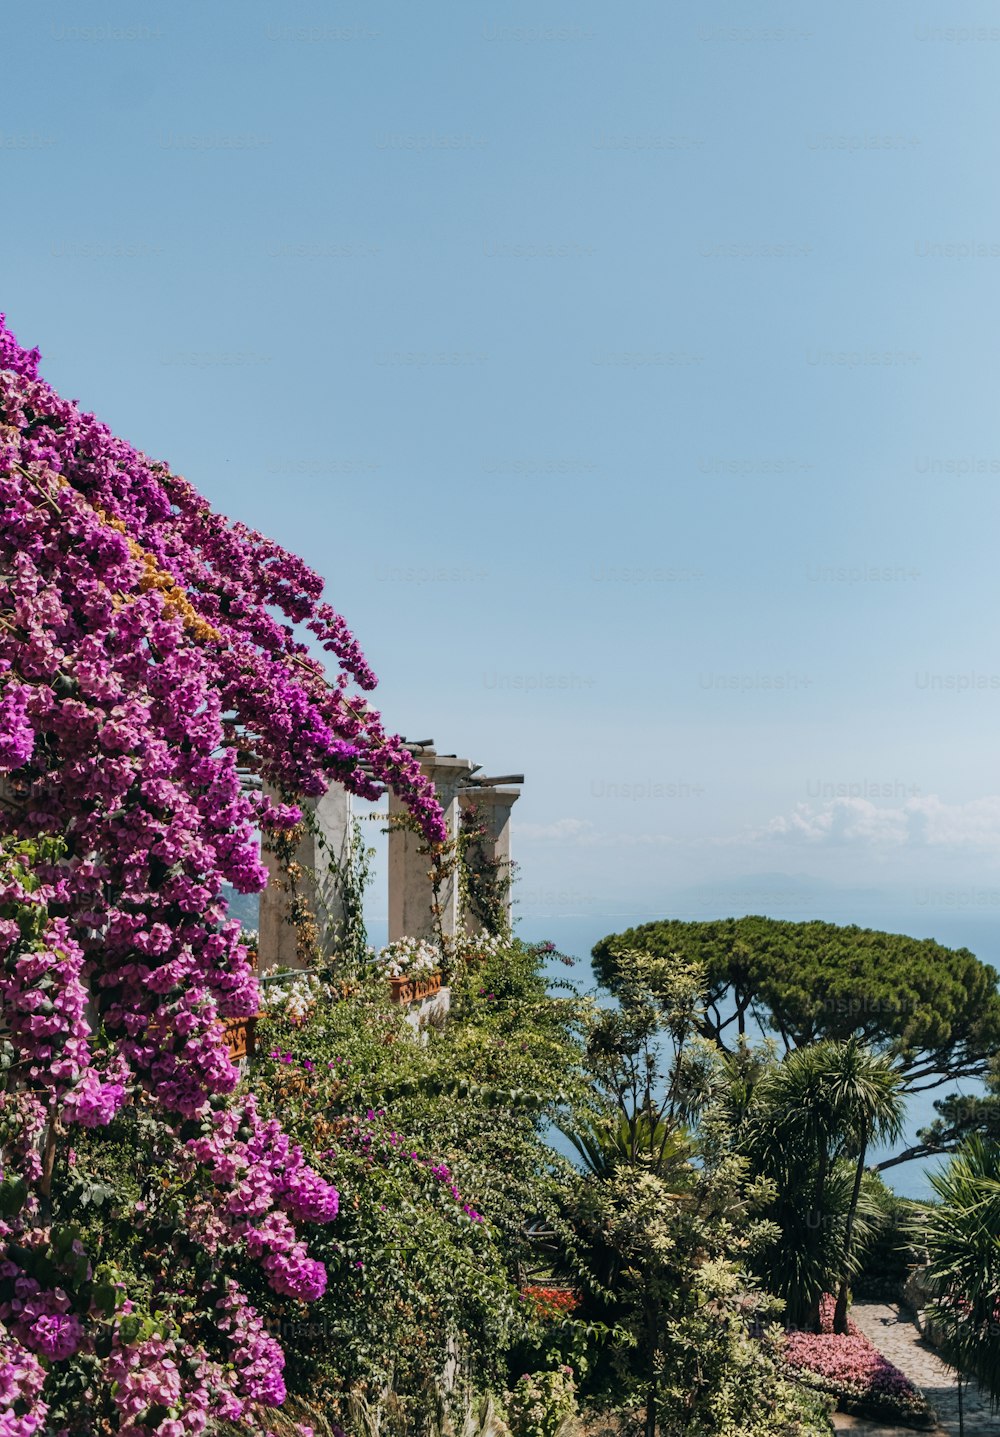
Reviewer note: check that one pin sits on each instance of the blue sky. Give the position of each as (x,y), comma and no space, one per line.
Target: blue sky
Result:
(628,369)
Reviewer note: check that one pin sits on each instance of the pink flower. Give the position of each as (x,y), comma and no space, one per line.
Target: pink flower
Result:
(17,737)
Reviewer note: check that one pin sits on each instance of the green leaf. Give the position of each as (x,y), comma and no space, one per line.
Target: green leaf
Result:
(130,1328)
(105,1299)
(13,1195)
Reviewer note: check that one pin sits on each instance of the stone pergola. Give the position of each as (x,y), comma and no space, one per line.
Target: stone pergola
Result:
(460,786)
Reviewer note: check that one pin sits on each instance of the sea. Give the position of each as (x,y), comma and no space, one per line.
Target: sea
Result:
(574,935)
(980,933)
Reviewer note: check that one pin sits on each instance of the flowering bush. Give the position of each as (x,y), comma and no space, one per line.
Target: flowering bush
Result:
(407,957)
(293,995)
(440,1161)
(852,1369)
(550,1303)
(151,676)
(415,1267)
(479,947)
(542,1404)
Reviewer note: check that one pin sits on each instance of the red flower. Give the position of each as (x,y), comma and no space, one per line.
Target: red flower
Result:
(551,1303)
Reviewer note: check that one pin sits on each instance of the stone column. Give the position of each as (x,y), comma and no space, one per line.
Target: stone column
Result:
(493,806)
(317,885)
(411,896)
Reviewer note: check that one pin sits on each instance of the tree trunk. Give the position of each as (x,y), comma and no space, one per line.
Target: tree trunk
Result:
(651,1410)
(812,1321)
(840,1315)
(840,1312)
(652,1318)
(48,1159)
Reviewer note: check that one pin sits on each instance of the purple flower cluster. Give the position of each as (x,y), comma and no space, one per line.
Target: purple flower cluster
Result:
(257,1357)
(22,1410)
(155,1371)
(267,1188)
(17,737)
(150,663)
(40,1320)
(140,639)
(850,1363)
(147,1374)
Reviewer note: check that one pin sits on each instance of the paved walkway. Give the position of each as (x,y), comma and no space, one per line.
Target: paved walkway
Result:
(864,1427)
(898,1337)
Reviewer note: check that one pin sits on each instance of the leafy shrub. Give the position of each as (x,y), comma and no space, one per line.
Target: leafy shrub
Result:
(891,1253)
(440,1158)
(542,1404)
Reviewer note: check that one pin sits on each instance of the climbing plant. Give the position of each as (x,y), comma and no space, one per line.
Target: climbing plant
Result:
(485,881)
(154,674)
(341,882)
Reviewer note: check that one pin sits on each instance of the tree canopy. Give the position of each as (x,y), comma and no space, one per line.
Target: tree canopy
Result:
(936,1010)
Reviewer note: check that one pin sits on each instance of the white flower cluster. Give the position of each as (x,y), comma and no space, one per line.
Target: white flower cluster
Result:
(407,957)
(293,996)
(477,947)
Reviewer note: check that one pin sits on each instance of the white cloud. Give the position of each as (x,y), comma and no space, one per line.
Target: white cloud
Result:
(921,822)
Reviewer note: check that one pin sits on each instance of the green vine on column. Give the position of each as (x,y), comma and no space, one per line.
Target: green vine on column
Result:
(283,844)
(351,875)
(444,862)
(484,880)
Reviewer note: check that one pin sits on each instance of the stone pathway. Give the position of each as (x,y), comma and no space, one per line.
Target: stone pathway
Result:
(895,1334)
(864,1427)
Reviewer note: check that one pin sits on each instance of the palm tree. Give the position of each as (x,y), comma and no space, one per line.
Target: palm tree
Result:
(961,1233)
(865,1090)
(814,1117)
(792,1138)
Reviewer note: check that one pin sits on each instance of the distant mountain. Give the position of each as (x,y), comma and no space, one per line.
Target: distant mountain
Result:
(244,906)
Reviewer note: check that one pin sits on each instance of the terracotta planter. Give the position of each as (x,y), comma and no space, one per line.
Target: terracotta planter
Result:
(416,988)
(240,1036)
(401,990)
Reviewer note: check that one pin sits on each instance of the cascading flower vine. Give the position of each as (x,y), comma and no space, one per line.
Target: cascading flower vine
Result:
(153,676)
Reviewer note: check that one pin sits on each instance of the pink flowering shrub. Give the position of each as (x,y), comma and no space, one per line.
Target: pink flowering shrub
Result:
(852,1369)
(153,671)
(22,1410)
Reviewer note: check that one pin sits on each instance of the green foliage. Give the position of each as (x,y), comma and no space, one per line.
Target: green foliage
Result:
(892,1252)
(603,1148)
(542,1404)
(424,1135)
(935,1009)
(341,881)
(120,1196)
(960,1116)
(805,1127)
(677,1297)
(961,1234)
(662,1226)
(437,1142)
(484,881)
